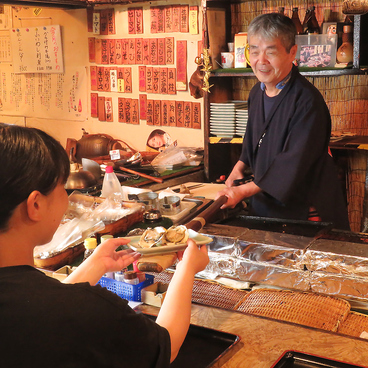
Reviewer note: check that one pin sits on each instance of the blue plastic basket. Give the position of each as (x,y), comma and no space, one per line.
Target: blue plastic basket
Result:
(124,290)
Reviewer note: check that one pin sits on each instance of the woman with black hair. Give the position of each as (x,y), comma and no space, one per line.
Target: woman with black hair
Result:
(44,322)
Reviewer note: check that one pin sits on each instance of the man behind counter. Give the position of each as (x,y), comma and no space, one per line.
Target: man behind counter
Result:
(46,323)
(287,136)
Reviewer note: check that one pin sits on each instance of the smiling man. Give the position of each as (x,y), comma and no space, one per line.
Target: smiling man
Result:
(287,136)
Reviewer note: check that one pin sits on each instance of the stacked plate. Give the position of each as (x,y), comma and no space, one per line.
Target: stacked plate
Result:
(223,118)
(241,120)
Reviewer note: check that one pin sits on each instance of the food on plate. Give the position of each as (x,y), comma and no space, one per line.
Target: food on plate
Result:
(152,237)
(177,234)
(159,236)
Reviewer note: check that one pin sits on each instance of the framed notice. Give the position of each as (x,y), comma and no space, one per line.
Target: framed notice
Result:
(37,49)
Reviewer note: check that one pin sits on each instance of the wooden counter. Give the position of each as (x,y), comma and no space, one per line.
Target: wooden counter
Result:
(264,340)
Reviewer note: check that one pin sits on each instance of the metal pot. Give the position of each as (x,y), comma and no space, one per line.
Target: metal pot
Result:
(170,205)
(80,180)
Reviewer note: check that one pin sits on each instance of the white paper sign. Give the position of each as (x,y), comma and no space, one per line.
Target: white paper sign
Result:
(37,49)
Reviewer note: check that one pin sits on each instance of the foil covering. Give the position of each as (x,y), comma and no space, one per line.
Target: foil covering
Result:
(288,261)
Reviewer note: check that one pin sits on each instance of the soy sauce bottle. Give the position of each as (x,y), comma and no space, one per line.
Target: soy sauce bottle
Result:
(296,21)
(310,23)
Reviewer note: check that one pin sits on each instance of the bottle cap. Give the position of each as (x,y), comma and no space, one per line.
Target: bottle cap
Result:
(347,29)
(129,275)
(105,237)
(90,243)
(109,169)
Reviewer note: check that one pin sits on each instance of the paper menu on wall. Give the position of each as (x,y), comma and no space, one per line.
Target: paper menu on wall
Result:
(37,49)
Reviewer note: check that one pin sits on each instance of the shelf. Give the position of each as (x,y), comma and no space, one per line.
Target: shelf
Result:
(216,140)
(358,142)
(314,72)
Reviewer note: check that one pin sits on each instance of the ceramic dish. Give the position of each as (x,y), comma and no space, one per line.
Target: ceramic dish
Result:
(222,125)
(198,238)
(223,128)
(222,121)
(229,133)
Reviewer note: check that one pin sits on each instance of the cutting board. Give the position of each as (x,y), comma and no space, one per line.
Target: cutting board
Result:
(207,190)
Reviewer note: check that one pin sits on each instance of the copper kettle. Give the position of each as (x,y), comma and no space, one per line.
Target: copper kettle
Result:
(79,178)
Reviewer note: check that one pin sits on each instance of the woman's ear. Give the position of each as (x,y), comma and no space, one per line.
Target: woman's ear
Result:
(35,205)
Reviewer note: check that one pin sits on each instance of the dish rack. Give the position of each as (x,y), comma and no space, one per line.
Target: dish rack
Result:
(125,290)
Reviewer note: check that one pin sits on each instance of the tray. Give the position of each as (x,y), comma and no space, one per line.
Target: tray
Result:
(203,347)
(296,359)
(198,238)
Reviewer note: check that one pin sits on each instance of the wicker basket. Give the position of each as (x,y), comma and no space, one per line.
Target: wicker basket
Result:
(354,324)
(208,292)
(215,295)
(308,309)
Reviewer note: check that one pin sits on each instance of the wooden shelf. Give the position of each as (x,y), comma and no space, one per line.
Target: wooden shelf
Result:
(357,142)
(316,72)
(216,140)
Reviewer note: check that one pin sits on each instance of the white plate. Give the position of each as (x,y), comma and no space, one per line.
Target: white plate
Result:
(236,104)
(222,131)
(222,128)
(223,135)
(222,121)
(198,238)
(221,114)
(218,124)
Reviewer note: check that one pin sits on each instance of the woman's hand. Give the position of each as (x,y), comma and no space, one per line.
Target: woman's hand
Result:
(103,259)
(194,257)
(112,260)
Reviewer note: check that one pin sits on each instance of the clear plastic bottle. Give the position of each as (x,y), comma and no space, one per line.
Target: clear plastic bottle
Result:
(90,245)
(111,185)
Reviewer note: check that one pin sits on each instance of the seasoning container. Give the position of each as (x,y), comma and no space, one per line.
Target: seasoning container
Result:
(111,185)
(90,245)
(130,277)
(119,276)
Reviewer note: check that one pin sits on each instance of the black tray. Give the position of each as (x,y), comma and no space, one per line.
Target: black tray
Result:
(202,347)
(296,359)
